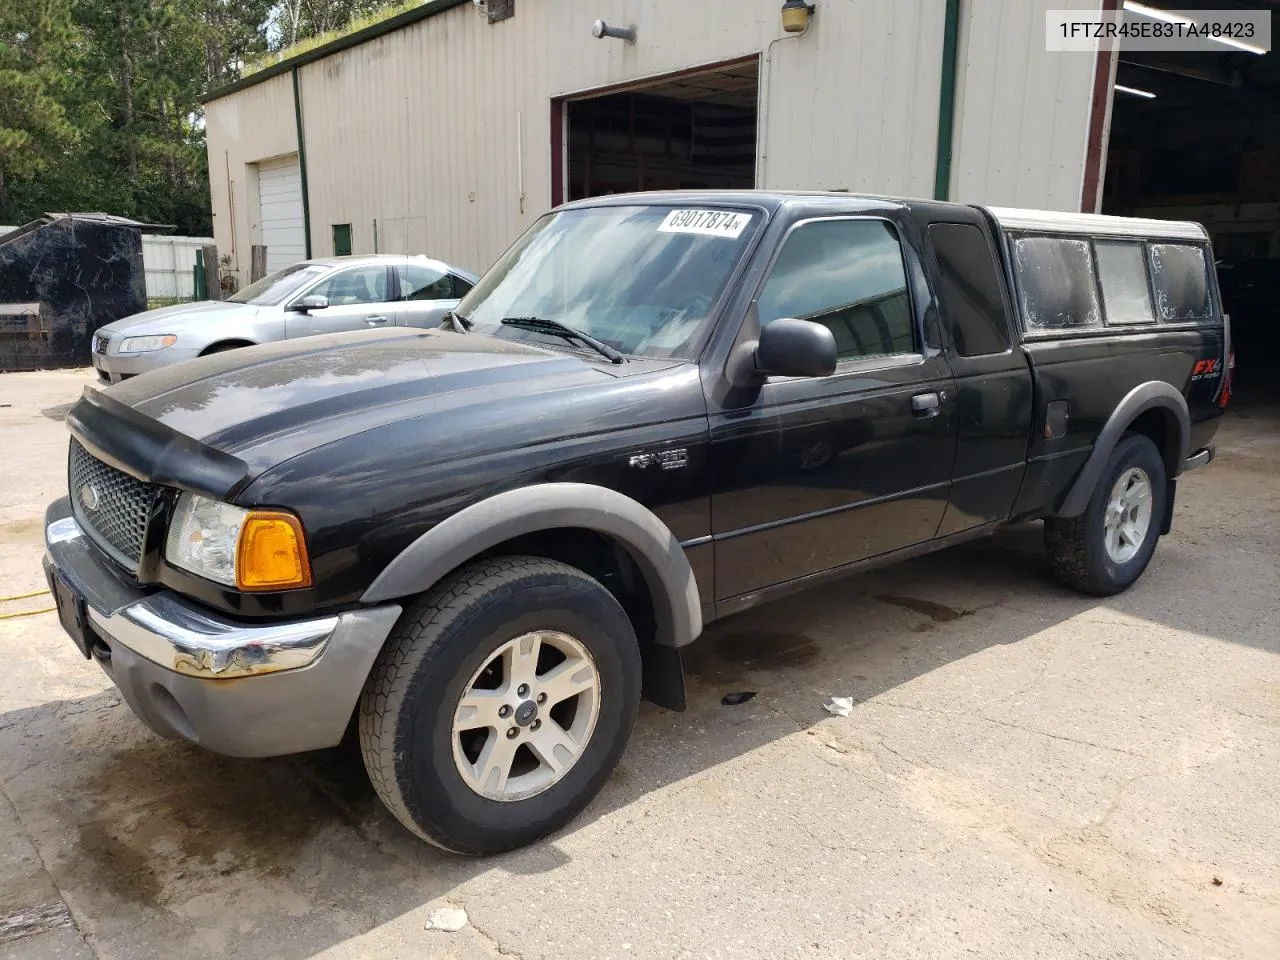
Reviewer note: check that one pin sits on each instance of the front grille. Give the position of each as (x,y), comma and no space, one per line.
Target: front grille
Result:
(110,505)
(100,343)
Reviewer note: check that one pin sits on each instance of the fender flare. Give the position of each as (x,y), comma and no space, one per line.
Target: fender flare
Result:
(1153,395)
(547,506)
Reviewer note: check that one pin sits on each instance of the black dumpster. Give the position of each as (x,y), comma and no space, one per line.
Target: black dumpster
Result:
(61,278)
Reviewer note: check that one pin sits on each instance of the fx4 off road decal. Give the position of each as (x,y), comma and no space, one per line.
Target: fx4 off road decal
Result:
(1206,370)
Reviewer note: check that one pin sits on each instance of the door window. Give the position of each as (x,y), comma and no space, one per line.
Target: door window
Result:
(460,287)
(849,276)
(970,289)
(418,282)
(358,285)
(1122,272)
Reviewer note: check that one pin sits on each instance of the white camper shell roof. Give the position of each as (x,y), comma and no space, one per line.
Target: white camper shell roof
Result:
(1096,225)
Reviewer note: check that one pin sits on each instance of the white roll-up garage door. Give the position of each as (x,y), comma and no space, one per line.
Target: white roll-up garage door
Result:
(280,199)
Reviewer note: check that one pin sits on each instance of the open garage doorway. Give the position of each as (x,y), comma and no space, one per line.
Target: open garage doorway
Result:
(692,130)
(1196,136)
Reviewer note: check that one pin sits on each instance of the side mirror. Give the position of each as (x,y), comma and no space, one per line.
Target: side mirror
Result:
(312,302)
(795,348)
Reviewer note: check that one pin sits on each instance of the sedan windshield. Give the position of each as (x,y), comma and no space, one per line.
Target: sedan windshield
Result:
(275,287)
(641,279)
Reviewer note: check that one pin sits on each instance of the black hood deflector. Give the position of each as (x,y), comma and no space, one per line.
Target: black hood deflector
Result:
(146,448)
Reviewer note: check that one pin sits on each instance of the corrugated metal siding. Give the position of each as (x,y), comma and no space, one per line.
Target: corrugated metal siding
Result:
(859,110)
(851,104)
(1022,113)
(417,128)
(169,263)
(254,125)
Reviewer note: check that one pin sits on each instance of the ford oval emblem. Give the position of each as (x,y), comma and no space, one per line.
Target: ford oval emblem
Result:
(89,496)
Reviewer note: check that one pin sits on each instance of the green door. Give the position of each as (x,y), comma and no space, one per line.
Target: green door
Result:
(342,239)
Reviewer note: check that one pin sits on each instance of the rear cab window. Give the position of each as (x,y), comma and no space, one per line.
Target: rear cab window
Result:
(970,289)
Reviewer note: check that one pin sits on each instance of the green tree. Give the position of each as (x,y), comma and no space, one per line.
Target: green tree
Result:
(100,99)
(230,31)
(36,46)
(118,124)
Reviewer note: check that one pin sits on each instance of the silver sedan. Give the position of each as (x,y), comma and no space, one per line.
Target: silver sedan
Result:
(315,296)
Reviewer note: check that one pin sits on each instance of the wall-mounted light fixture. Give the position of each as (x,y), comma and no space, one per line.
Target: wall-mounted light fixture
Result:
(795,15)
(600,30)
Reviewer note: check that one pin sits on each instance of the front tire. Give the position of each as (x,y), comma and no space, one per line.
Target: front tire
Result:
(500,704)
(1105,549)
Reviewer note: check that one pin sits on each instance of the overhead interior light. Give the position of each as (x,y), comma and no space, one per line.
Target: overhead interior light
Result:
(1166,16)
(1134,91)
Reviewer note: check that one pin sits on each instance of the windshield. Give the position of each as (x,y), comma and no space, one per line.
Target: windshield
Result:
(642,279)
(275,287)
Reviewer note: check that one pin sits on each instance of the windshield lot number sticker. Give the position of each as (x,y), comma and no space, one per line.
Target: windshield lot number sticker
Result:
(706,223)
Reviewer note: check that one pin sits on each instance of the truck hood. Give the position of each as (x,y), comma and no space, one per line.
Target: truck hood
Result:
(177,318)
(266,404)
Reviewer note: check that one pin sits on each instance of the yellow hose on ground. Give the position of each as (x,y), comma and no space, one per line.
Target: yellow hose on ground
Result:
(23,596)
(26,613)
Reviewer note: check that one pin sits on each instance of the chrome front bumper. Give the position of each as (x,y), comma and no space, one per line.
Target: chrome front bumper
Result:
(245,690)
(171,633)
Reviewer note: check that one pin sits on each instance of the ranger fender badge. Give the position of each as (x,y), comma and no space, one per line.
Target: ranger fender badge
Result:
(666,459)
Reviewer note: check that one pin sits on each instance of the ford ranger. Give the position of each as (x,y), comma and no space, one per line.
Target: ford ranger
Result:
(483,544)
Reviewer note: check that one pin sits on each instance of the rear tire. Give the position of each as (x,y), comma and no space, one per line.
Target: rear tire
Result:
(431,732)
(1105,549)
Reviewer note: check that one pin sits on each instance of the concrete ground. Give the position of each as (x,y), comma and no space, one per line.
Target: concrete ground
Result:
(1025,773)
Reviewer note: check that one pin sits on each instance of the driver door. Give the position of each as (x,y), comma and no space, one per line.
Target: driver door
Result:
(814,473)
(357,300)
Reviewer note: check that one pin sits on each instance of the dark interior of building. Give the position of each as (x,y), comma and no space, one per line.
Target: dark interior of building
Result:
(1196,136)
(695,131)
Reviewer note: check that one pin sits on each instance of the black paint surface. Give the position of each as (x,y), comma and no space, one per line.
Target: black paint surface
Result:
(61,279)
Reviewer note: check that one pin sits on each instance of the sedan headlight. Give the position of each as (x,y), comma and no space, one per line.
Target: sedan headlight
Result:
(147,344)
(245,549)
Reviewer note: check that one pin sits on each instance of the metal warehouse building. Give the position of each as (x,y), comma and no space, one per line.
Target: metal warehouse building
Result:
(447,129)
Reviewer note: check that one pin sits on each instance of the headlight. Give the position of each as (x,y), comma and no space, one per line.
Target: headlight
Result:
(147,344)
(245,549)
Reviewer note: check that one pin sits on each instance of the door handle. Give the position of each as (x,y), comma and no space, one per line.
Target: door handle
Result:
(925,404)
(375,320)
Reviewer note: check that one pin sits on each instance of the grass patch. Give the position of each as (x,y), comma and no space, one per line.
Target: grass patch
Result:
(310,43)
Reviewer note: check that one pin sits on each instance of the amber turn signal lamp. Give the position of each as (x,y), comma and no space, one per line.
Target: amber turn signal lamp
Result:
(271,553)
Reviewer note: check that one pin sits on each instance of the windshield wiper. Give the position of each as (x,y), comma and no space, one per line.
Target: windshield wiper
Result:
(459,323)
(558,329)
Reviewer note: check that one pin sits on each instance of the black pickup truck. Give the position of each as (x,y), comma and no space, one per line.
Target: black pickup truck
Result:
(483,544)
